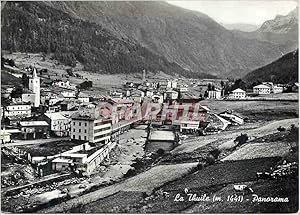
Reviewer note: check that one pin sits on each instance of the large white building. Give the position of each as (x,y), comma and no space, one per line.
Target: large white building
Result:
(34,86)
(214,94)
(238,94)
(262,89)
(59,124)
(90,127)
(23,110)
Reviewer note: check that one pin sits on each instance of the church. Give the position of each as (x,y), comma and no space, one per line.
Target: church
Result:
(33,94)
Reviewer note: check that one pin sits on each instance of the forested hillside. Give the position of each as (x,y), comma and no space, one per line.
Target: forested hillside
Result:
(35,27)
(284,70)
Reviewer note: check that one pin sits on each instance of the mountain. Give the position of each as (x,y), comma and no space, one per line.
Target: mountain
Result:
(36,27)
(241,27)
(283,30)
(284,70)
(138,30)
(189,38)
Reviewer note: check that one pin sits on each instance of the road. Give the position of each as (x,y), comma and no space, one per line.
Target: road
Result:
(34,142)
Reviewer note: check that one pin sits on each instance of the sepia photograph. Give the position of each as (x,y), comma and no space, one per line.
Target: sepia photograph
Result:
(149,107)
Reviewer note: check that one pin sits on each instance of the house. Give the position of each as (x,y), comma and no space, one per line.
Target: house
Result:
(59,125)
(262,89)
(172,84)
(277,89)
(69,94)
(116,95)
(64,84)
(122,107)
(17,109)
(28,96)
(238,94)
(137,95)
(214,94)
(4,136)
(34,129)
(189,126)
(157,98)
(171,95)
(89,126)
(83,97)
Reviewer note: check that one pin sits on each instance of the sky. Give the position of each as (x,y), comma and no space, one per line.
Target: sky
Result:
(239,11)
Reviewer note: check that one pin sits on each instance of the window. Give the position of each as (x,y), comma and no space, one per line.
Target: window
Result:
(84,130)
(85,124)
(79,130)
(84,137)
(74,123)
(73,136)
(73,129)
(79,137)
(79,123)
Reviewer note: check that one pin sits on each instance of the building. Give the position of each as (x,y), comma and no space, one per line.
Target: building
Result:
(172,84)
(34,86)
(157,98)
(214,94)
(277,89)
(238,94)
(58,124)
(189,126)
(64,84)
(171,95)
(17,109)
(89,126)
(262,89)
(83,97)
(165,139)
(69,94)
(28,96)
(4,136)
(34,129)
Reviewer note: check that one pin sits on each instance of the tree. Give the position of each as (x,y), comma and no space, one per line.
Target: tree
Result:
(209,87)
(160,151)
(25,81)
(206,94)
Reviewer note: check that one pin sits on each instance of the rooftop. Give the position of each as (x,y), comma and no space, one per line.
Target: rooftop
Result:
(33,123)
(49,149)
(55,116)
(262,86)
(162,135)
(238,91)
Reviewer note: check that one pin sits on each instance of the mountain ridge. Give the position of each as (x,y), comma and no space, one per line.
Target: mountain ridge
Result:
(284,70)
(190,39)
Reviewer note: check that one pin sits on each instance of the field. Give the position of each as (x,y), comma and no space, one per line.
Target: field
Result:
(257,110)
(259,150)
(226,174)
(225,139)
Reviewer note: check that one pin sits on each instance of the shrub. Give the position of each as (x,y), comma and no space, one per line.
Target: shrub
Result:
(160,151)
(130,173)
(210,159)
(215,152)
(280,129)
(243,138)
